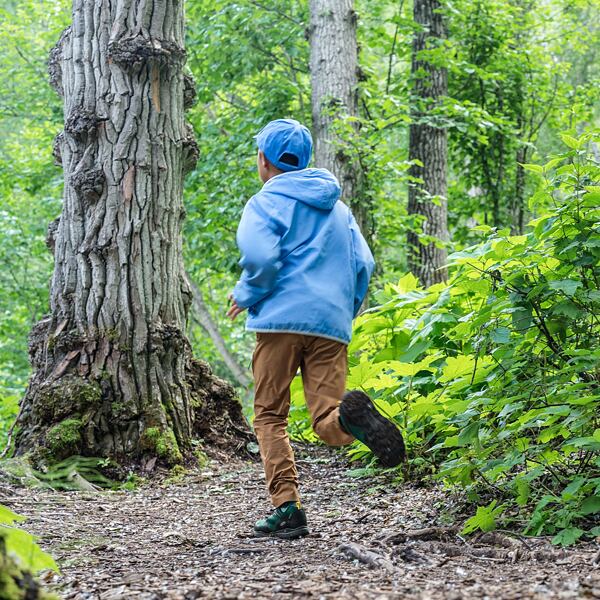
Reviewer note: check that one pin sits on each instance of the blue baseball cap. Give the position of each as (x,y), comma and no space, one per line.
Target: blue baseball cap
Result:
(286,143)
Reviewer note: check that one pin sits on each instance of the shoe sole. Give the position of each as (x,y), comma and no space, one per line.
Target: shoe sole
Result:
(285,534)
(381,435)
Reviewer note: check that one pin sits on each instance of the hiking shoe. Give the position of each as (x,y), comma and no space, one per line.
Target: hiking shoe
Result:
(360,418)
(287,522)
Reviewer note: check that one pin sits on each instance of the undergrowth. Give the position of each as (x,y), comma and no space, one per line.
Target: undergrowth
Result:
(494,377)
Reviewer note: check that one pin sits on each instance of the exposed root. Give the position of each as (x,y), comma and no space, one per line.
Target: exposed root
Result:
(428,533)
(366,556)
(218,417)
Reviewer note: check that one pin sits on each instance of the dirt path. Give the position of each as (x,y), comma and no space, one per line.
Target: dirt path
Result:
(192,541)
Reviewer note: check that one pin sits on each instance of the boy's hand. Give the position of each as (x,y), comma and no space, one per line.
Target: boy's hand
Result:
(234,309)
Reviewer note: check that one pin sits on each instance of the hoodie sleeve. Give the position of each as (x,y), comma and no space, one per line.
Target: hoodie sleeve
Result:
(364,264)
(259,244)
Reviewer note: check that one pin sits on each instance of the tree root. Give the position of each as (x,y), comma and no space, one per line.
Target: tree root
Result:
(428,533)
(366,556)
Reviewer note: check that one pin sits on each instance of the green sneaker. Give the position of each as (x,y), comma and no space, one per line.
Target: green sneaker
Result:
(287,522)
(360,418)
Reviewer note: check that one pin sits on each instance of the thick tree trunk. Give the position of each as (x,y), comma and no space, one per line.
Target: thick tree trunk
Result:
(334,81)
(113,373)
(428,145)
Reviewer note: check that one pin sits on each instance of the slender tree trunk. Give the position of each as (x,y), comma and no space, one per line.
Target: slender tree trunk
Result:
(113,373)
(334,81)
(206,321)
(516,203)
(517,208)
(428,145)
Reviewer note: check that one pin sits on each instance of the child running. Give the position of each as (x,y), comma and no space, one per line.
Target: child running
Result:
(306,270)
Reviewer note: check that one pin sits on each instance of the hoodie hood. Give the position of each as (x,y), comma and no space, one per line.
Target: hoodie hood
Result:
(315,187)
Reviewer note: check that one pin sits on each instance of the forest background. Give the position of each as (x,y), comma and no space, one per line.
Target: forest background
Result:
(465,367)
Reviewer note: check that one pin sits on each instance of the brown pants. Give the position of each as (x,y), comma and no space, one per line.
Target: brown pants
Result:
(276,359)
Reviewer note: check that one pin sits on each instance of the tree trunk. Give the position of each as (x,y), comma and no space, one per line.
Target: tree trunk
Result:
(334,81)
(517,207)
(113,373)
(517,202)
(209,325)
(428,145)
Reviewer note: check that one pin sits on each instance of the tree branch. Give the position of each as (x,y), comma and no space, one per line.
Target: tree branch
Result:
(277,11)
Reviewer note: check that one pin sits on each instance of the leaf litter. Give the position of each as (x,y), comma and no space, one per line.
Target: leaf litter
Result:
(370,538)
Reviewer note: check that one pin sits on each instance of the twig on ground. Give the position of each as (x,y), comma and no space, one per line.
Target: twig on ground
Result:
(245,550)
(366,556)
(428,533)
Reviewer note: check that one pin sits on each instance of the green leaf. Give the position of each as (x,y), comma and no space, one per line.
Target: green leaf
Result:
(568,536)
(501,335)
(24,547)
(484,519)
(8,517)
(572,488)
(590,505)
(523,491)
(568,309)
(568,286)
(457,367)
(570,141)
(534,168)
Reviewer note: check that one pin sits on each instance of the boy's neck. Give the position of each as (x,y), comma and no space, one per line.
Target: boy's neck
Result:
(269,172)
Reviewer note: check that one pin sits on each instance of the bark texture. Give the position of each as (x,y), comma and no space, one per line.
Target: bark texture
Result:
(428,145)
(334,81)
(113,373)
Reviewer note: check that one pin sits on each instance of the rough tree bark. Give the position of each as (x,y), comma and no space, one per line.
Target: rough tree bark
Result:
(113,373)
(428,145)
(334,81)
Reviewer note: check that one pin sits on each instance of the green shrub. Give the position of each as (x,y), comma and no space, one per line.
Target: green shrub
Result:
(495,377)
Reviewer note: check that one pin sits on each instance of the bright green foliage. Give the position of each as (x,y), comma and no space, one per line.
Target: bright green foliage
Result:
(495,377)
(299,426)
(20,555)
(484,519)
(511,84)
(30,185)
(22,545)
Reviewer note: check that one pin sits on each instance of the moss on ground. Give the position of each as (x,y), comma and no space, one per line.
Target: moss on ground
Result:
(201,457)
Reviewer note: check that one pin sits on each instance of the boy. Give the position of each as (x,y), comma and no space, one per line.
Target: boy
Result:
(306,268)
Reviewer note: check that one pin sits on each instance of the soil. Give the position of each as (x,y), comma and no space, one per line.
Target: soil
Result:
(370,538)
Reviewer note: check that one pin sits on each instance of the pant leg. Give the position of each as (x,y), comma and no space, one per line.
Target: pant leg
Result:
(275,362)
(324,366)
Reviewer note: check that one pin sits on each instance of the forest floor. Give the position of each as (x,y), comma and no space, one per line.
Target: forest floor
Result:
(193,540)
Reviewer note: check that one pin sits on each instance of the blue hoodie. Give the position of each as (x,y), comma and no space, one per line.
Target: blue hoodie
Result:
(306,266)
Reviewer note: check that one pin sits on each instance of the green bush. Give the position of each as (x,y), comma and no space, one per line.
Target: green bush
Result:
(495,377)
